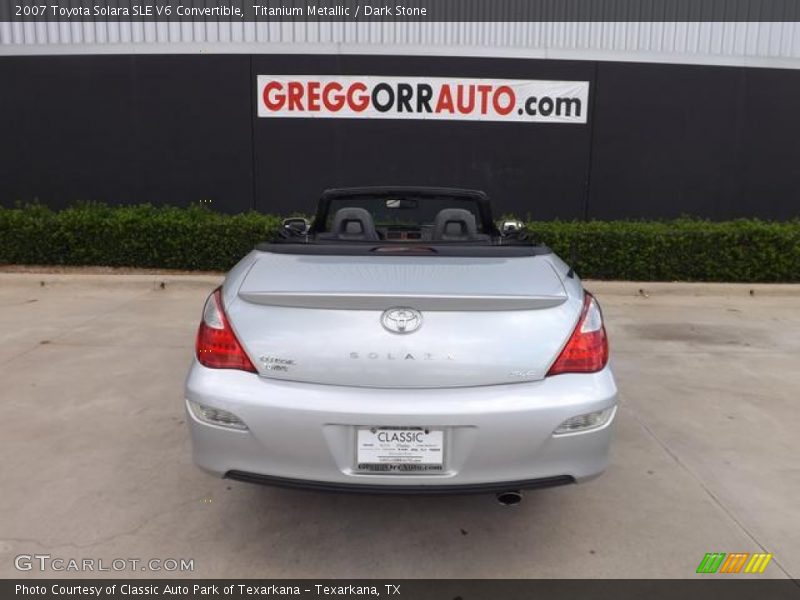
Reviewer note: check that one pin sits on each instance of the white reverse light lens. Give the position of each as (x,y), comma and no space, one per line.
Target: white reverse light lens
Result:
(594,318)
(211,314)
(216,416)
(592,420)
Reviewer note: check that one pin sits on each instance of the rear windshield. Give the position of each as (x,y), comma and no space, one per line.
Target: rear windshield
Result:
(404,210)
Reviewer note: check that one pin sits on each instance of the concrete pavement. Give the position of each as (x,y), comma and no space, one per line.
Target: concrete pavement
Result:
(96,460)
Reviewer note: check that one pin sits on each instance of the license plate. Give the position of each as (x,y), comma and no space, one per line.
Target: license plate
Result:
(400,449)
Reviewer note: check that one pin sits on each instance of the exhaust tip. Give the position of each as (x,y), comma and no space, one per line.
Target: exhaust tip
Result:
(510,498)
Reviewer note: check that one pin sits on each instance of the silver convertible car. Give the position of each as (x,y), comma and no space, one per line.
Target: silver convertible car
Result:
(403,342)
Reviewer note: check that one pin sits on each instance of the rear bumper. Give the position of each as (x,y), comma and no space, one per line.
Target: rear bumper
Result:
(475,488)
(498,437)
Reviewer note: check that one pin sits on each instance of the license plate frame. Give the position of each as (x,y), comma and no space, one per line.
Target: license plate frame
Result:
(400,450)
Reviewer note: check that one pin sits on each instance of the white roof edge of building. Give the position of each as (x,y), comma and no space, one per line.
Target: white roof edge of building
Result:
(398,50)
(749,44)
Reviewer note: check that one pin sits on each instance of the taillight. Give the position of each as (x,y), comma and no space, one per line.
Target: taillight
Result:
(217,346)
(587,348)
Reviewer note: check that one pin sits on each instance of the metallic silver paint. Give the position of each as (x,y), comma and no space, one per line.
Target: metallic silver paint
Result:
(492,328)
(307,431)
(489,336)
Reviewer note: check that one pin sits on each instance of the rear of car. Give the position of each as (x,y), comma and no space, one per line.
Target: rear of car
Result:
(372,366)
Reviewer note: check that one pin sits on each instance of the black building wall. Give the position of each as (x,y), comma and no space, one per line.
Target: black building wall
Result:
(717,142)
(661,140)
(126,129)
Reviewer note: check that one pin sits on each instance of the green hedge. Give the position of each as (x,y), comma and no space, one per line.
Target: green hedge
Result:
(133,236)
(681,250)
(197,238)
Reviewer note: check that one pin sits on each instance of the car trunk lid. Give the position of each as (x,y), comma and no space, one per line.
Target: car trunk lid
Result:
(317,318)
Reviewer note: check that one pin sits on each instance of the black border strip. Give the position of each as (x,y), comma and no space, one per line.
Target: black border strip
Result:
(434,11)
(730,588)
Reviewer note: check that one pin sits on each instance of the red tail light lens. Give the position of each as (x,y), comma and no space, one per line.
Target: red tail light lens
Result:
(217,346)
(587,348)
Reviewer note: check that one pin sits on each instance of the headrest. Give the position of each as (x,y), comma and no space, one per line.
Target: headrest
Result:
(454,224)
(354,224)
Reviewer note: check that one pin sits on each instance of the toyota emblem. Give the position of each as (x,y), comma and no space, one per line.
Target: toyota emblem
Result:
(401,320)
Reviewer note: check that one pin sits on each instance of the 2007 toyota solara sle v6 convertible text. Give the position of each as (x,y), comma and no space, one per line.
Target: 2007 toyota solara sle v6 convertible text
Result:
(402,342)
